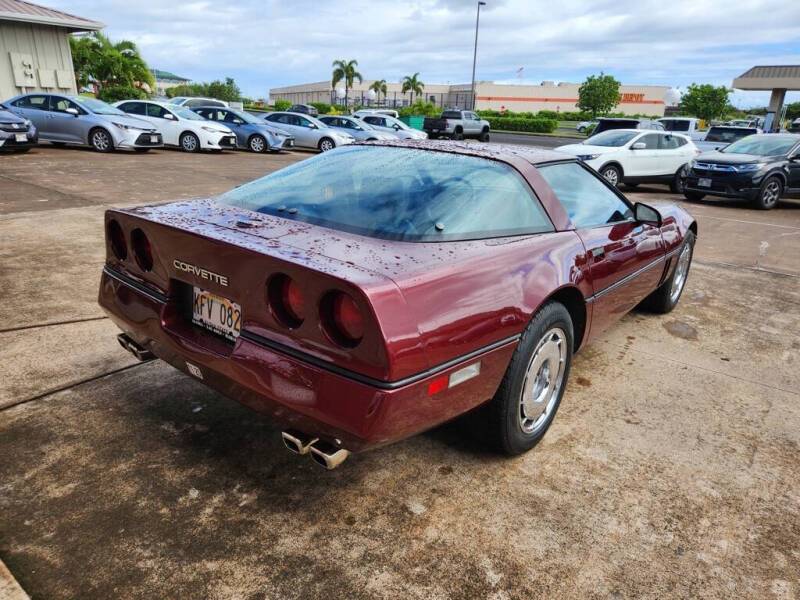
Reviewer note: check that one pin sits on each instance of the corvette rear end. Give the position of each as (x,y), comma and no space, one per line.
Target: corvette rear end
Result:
(327,348)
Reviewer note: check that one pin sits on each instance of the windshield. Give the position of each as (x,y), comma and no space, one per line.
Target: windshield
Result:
(675,124)
(762,145)
(728,134)
(611,138)
(246,117)
(96,106)
(188,114)
(428,196)
(392,121)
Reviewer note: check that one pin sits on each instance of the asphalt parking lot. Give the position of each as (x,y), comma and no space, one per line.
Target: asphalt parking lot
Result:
(671,470)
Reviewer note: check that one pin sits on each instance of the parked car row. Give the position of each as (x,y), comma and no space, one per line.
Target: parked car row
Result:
(190,124)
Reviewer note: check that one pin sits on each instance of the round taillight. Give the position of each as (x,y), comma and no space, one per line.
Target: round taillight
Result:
(286,300)
(142,251)
(117,240)
(342,319)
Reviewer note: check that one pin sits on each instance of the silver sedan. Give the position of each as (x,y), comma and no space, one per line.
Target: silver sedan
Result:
(358,129)
(308,131)
(85,121)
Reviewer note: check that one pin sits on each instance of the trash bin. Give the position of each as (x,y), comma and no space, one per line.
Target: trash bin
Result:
(414,121)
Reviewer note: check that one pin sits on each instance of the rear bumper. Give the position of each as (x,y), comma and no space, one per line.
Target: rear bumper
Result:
(306,395)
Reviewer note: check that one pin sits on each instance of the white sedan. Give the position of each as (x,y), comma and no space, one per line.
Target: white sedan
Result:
(180,126)
(634,156)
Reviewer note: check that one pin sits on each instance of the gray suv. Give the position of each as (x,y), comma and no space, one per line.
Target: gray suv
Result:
(84,121)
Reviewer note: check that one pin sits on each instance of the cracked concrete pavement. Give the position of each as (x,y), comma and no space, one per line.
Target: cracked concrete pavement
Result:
(671,470)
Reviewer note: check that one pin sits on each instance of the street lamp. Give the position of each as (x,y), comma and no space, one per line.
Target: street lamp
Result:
(475,52)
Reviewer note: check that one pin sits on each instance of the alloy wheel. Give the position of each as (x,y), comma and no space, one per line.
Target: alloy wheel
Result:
(189,143)
(543,380)
(681,272)
(326,145)
(100,140)
(257,144)
(771,193)
(611,176)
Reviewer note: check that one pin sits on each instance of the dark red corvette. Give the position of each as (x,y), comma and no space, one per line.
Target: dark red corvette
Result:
(375,291)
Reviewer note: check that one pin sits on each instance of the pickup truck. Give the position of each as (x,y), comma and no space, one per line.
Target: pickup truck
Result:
(457,125)
(720,136)
(688,126)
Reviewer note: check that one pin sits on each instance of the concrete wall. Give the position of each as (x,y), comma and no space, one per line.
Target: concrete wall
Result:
(562,97)
(34,58)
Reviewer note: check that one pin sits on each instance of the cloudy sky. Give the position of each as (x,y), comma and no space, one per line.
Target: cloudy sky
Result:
(269,43)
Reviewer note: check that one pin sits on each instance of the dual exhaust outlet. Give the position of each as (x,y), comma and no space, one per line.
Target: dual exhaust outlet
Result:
(323,453)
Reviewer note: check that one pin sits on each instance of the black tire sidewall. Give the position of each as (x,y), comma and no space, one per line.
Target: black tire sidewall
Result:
(758,200)
(610,168)
(511,438)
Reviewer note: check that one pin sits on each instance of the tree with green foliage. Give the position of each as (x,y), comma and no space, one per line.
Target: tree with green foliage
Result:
(221,90)
(705,101)
(793,111)
(412,83)
(345,70)
(599,94)
(379,87)
(115,68)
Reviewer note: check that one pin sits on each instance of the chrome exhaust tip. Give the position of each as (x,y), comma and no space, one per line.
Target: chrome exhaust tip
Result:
(131,346)
(327,455)
(297,442)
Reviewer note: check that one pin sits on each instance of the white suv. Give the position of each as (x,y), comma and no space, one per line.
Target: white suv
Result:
(634,156)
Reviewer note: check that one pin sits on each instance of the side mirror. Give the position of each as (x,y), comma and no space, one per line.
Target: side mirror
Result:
(238,122)
(795,157)
(396,127)
(639,146)
(169,116)
(647,214)
(73,111)
(313,126)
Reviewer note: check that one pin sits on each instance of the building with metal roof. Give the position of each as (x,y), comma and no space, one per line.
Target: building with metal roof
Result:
(166,80)
(34,48)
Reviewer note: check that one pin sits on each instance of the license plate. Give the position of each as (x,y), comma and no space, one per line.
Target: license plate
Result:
(704,182)
(21,137)
(154,139)
(216,314)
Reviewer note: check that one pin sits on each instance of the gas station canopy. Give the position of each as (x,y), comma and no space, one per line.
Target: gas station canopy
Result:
(776,79)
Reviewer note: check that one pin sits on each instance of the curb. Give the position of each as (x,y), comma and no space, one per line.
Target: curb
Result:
(9,588)
(563,137)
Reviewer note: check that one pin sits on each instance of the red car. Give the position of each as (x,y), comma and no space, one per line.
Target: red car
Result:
(373,292)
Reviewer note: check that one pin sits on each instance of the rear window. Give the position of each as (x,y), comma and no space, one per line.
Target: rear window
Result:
(675,124)
(429,196)
(604,125)
(728,134)
(451,114)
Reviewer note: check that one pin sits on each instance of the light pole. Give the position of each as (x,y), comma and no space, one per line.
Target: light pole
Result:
(475,52)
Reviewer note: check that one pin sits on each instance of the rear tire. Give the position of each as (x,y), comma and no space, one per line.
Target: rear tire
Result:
(189,142)
(693,196)
(612,174)
(666,297)
(100,140)
(769,193)
(529,395)
(676,185)
(458,135)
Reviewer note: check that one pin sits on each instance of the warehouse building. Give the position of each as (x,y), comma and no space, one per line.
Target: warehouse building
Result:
(34,48)
(560,97)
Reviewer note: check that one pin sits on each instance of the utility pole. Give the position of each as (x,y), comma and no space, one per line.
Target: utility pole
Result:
(475,52)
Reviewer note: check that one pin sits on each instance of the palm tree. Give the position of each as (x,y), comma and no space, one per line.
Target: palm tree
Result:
(379,87)
(345,70)
(412,84)
(97,59)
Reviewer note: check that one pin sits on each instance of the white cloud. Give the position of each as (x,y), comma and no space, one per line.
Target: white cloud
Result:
(274,42)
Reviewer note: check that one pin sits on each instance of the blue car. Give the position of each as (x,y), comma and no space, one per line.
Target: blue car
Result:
(251,133)
(17,134)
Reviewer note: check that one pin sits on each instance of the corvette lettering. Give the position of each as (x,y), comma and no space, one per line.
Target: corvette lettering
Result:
(200,272)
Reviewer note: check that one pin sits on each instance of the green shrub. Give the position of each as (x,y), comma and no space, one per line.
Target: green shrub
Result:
(589,130)
(420,108)
(323,107)
(523,124)
(113,93)
(282,104)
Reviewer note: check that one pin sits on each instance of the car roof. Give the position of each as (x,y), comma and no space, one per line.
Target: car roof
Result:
(503,152)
